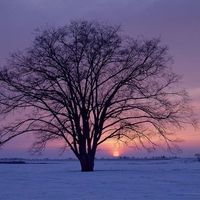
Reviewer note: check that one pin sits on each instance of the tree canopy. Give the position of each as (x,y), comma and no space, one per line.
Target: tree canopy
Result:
(85,83)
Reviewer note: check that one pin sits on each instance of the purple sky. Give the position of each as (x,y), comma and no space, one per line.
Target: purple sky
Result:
(176,21)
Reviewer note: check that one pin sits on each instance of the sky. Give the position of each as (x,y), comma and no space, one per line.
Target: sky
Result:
(177,22)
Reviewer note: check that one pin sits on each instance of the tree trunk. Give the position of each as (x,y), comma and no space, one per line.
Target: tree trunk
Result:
(87,163)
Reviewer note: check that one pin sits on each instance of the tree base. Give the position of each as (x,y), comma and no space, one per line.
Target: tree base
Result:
(87,170)
(87,165)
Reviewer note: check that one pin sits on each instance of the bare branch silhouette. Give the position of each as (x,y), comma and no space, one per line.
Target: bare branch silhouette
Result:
(85,83)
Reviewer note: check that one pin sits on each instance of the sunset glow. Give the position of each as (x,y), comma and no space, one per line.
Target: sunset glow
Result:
(116,154)
(179,31)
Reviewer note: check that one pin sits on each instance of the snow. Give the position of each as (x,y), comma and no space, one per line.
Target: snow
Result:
(112,179)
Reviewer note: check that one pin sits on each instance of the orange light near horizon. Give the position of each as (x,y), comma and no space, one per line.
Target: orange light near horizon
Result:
(112,148)
(116,153)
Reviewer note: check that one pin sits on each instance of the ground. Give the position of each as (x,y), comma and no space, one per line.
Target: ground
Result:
(112,179)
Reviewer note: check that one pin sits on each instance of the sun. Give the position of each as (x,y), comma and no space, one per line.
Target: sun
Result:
(115,153)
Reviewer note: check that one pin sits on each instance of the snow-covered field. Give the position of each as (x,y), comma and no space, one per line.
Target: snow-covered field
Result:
(112,179)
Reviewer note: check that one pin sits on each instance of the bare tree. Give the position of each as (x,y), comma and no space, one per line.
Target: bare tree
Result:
(198,156)
(85,83)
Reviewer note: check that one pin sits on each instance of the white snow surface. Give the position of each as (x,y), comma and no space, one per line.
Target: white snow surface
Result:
(112,179)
